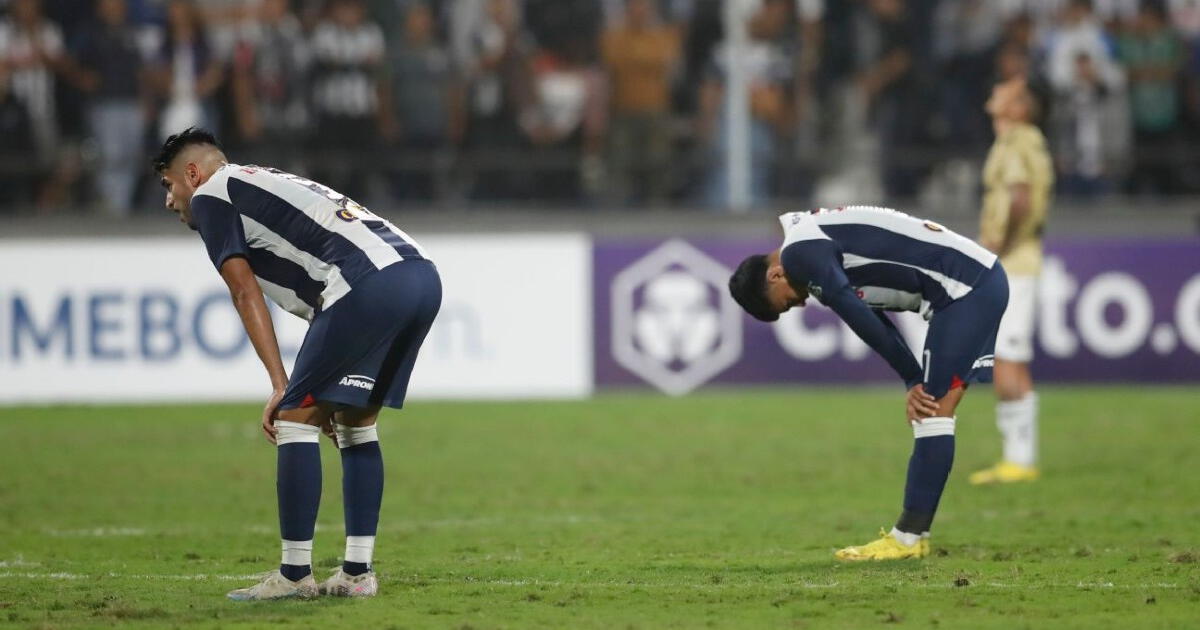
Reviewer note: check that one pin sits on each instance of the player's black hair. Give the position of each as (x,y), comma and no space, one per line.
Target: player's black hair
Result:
(180,141)
(748,286)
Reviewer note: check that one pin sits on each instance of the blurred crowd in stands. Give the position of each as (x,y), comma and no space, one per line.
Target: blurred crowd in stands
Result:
(590,103)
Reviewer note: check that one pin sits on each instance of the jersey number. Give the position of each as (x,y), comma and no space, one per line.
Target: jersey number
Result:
(348,209)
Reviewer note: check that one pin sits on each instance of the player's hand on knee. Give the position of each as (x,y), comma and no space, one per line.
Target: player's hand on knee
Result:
(269,411)
(919,404)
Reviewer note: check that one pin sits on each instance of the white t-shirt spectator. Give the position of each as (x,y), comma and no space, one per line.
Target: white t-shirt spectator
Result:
(32,80)
(346,61)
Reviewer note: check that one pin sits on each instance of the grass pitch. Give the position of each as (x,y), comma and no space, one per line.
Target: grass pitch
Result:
(717,510)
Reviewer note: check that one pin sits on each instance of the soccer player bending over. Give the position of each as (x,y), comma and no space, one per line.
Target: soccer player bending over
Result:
(370,295)
(861,261)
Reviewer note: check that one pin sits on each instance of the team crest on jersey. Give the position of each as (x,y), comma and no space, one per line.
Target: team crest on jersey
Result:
(814,290)
(934,227)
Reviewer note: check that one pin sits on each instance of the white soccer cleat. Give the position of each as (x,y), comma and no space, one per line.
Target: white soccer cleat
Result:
(275,586)
(342,585)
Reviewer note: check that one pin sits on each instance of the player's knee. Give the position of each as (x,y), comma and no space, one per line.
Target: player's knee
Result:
(348,436)
(1009,389)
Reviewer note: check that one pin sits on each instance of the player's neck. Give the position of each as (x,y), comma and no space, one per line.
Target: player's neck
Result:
(1004,125)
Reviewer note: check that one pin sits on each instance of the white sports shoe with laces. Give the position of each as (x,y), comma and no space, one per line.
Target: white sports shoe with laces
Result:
(275,586)
(342,585)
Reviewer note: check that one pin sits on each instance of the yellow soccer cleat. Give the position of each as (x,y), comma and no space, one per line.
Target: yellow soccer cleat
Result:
(1004,472)
(886,548)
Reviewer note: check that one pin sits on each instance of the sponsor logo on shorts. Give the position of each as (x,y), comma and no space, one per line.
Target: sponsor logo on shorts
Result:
(985,361)
(356,380)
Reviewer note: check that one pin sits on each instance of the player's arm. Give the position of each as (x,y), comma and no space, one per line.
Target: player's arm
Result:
(1016,175)
(220,227)
(1018,213)
(256,318)
(818,261)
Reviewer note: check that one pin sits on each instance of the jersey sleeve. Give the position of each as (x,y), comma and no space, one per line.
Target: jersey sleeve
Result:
(220,228)
(819,263)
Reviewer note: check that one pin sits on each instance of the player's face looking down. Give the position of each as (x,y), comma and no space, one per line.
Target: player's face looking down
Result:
(191,168)
(781,295)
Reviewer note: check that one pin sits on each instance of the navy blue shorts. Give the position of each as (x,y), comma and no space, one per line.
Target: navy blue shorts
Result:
(961,341)
(362,350)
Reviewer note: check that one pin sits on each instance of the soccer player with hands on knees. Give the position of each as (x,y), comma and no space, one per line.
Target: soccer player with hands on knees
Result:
(370,294)
(861,261)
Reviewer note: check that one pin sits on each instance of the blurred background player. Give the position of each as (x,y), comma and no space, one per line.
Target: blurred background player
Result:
(1018,178)
(370,296)
(861,261)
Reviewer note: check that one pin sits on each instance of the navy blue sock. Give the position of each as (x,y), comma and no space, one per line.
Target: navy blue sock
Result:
(298,485)
(928,469)
(362,494)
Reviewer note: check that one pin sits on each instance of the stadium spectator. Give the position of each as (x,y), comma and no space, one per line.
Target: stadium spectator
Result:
(1089,119)
(889,87)
(493,52)
(270,85)
(16,144)
(966,34)
(1084,141)
(113,54)
(1153,54)
(426,100)
(767,69)
(1079,33)
(567,116)
(348,56)
(187,75)
(32,49)
(640,55)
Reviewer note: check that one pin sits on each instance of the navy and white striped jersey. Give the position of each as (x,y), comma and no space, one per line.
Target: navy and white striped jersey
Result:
(861,260)
(307,244)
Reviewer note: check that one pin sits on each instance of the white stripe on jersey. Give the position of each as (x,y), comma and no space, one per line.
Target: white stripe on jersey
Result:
(954,288)
(895,299)
(259,236)
(322,210)
(286,299)
(912,227)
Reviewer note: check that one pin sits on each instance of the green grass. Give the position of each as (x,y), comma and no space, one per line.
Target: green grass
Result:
(717,510)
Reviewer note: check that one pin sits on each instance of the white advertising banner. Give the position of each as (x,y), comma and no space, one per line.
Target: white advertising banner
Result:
(149,319)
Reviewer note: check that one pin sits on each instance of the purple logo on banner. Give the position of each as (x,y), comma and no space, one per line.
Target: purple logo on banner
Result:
(672,321)
(1110,310)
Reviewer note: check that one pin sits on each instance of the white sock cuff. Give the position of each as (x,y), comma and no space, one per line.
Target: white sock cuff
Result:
(360,549)
(297,552)
(1009,407)
(353,436)
(930,427)
(295,432)
(905,537)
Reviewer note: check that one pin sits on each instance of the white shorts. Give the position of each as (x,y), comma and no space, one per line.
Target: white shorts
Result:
(1014,340)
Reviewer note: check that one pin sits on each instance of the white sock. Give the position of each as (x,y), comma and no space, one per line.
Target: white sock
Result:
(297,552)
(905,538)
(348,436)
(359,549)
(1017,420)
